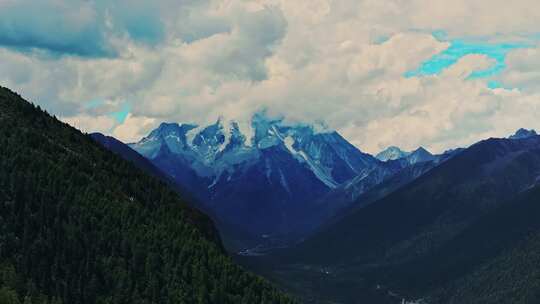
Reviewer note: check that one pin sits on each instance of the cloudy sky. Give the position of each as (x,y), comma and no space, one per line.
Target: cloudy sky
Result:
(435,73)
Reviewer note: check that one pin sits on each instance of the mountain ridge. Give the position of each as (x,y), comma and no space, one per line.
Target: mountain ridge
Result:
(81,225)
(484,152)
(233,172)
(391,153)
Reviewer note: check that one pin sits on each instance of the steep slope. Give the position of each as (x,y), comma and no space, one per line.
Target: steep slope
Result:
(114,145)
(162,147)
(123,150)
(261,182)
(342,198)
(493,261)
(80,225)
(266,196)
(419,155)
(420,217)
(456,234)
(375,183)
(362,191)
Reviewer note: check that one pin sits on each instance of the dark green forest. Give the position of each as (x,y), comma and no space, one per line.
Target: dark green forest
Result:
(468,231)
(497,260)
(80,225)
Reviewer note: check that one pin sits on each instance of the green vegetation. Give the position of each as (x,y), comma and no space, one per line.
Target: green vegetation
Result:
(465,232)
(80,225)
(494,261)
(513,277)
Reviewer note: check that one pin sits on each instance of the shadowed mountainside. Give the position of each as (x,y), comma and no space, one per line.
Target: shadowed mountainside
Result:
(78,224)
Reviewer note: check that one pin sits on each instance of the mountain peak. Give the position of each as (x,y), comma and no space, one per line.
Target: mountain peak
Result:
(420,155)
(226,146)
(167,128)
(164,126)
(391,153)
(523,133)
(421,150)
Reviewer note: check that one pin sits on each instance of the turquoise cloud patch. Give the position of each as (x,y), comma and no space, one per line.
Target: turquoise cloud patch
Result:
(121,115)
(459,48)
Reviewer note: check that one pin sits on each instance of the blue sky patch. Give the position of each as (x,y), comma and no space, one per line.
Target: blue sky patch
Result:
(121,115)
(440,35)
(460,48)
(92,104)
(50,26)
(494,84)
(381,39)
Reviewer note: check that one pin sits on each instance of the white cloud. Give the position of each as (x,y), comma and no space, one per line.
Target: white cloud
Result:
(90,124)
(134,128)
(341,62)
(523,70)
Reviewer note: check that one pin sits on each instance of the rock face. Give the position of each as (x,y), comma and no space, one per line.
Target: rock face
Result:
(258,177)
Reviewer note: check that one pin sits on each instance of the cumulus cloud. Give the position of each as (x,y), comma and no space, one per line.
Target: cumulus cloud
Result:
(134,128)
(77,27)
(343,63)
(523,70)
(89,124)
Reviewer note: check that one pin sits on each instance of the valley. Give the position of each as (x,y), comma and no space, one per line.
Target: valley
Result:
(378,231)
(269,152)
(308,211)
(79,224)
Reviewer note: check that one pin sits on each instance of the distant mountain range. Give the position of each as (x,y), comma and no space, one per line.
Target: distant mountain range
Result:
(442,201)
(401,225)
(450,235)
(297,204)
(417,156)
(259,183)
(266,179)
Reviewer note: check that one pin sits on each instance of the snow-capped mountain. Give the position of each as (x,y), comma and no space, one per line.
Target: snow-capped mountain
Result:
(394,153)
(391,153)
(399,169)
(216,149)
(258,176)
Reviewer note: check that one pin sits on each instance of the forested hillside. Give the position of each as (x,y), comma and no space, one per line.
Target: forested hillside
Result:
(415,220)
(80,225)
(494,261)
(466,231)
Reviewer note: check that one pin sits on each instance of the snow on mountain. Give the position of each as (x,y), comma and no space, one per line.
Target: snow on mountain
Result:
(219,147)
(395,153)
(391,153)
(268,177)
(260,176)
